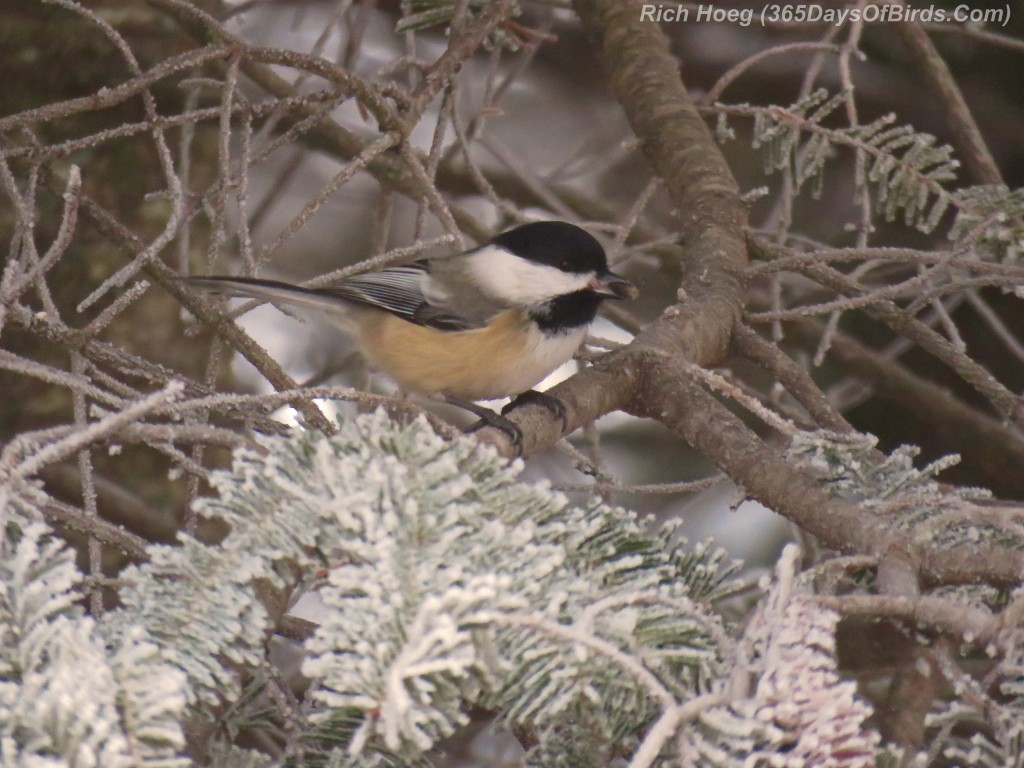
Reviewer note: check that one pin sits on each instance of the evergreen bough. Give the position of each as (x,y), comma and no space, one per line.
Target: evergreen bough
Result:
(446,584)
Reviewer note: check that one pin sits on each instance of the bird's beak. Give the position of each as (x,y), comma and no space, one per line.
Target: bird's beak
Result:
(613,286)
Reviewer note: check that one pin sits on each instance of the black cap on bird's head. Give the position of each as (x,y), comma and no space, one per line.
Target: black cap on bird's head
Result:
(567,248)
(557,244)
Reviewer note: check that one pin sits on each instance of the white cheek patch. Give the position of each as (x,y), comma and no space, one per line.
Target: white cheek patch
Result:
(509,279)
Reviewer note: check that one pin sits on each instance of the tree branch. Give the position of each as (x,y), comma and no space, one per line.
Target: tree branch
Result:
(991,447)
(796,379)
(672,396)
(978,161)
(682,151)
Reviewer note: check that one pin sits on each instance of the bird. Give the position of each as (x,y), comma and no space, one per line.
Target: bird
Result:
(487,323)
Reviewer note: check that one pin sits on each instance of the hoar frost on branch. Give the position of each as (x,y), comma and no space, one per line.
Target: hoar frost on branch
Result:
(890,485)
(72,692)
(446,584)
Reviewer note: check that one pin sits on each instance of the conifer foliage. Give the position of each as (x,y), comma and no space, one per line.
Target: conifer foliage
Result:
(445,584)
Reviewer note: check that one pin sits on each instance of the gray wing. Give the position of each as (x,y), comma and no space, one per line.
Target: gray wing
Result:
(414,293)
(409,291)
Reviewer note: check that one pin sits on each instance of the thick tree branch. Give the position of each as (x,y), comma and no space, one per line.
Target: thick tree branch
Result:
(674,398)
(682,151)
(648,377)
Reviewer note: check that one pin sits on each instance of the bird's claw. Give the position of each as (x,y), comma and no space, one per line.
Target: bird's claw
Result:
(496,420)
(489,418)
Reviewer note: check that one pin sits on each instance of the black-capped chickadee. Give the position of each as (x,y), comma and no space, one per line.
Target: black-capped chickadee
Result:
(484,324)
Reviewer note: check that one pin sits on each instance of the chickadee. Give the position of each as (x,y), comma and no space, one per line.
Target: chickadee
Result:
(484,324)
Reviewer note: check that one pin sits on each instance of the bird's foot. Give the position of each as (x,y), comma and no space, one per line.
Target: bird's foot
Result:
(489,418)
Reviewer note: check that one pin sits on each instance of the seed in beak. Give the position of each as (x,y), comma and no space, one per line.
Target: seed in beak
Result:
(614,287)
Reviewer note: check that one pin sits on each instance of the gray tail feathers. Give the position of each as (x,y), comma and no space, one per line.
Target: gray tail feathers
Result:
(272,290)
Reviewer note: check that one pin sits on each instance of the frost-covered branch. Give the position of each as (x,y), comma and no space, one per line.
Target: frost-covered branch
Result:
(71,694)
(448,583)
(18,467)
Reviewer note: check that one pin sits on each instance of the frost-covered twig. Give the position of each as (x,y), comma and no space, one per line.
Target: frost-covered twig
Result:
(672,718)
(16,467)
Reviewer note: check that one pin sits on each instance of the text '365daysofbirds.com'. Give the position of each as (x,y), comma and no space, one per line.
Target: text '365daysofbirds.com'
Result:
(812,13)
